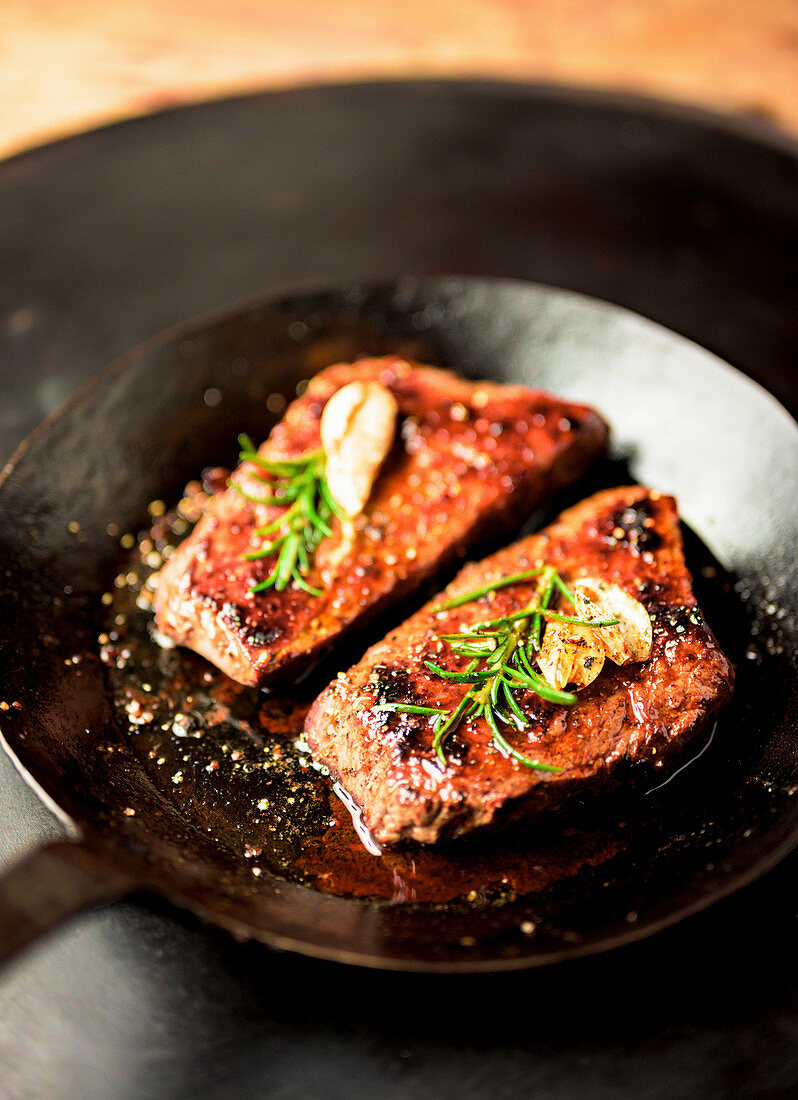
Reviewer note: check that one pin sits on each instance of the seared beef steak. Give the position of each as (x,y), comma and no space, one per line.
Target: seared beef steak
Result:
(469,459)
(640,712)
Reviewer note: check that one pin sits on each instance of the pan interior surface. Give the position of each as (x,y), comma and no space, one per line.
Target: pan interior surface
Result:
(201,813)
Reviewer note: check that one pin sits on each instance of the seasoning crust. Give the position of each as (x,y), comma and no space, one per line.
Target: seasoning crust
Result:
(468,459)
(641,712)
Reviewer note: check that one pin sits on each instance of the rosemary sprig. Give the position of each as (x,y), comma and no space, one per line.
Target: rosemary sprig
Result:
(300,485)
(501,653)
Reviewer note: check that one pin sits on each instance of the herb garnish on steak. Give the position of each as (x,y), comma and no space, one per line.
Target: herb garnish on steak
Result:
(644,711)
(468,460)
(500,654)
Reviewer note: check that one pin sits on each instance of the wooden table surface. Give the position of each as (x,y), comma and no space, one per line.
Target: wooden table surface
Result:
(69,64)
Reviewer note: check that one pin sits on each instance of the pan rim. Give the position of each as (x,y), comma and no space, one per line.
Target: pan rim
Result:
(750,127)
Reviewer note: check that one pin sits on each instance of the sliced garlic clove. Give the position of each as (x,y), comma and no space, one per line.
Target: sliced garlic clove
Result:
(357,429)
(631,639)
(569,655)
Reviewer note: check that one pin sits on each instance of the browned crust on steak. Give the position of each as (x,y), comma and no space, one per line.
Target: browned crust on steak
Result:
(469,458)
(642,712)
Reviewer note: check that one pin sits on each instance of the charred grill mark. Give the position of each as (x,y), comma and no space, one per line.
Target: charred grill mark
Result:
(260,637)
(680,620)
(649,592)
(233,614)
(392,684)
(457,750)
(635,527)
(410,735)
(251,633)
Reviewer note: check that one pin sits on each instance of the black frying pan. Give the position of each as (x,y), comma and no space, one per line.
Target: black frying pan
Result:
(683,421)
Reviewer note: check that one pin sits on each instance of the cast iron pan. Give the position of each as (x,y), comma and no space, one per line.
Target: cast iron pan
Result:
(683,422)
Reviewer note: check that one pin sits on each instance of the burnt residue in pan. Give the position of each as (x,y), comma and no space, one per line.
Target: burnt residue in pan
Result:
(234,762)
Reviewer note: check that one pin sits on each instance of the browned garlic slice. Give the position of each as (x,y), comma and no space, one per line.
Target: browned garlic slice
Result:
(631,639)
(357,429)
(569,655)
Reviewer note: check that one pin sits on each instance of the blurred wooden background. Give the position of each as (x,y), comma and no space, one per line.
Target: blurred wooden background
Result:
(69,64)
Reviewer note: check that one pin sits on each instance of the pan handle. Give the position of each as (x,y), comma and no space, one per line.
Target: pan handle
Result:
(49,885)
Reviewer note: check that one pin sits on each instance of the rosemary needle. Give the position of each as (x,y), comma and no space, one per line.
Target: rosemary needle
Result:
(300,485)
(502,653)
(486,589)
